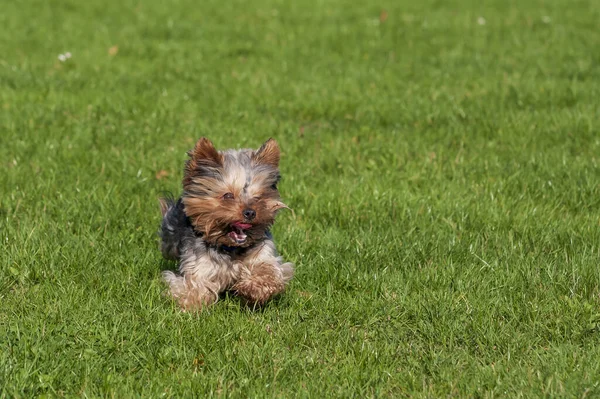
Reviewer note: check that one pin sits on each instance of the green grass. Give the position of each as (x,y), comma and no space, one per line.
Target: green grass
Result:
(444,176)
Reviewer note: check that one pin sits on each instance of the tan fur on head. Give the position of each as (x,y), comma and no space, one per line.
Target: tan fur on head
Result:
(203,155)
(268,154)
(205,151)
(220,186)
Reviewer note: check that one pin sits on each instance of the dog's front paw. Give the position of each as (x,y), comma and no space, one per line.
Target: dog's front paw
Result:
(190,295)
(258,283)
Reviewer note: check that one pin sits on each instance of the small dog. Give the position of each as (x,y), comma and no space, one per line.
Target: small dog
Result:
(219,229)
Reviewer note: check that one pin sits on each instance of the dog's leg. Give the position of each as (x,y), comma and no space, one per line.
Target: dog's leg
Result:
(263,275)
(190,294)
(201,278)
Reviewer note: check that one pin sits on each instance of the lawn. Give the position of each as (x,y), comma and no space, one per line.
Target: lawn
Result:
(441,158)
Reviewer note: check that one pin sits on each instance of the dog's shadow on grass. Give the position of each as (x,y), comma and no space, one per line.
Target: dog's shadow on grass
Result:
(255,308)
(166,265)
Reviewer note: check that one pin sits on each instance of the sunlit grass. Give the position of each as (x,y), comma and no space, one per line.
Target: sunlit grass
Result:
(441,160)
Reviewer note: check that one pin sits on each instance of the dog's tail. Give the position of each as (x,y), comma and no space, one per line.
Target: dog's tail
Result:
(174,228)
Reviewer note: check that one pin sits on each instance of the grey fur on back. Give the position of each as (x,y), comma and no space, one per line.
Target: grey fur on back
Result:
(175,227)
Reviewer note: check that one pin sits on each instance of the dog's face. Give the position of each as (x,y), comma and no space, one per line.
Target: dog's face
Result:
(231,196)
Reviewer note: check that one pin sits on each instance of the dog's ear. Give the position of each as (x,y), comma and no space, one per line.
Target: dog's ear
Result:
(204,161)
(205,153)
(267,154)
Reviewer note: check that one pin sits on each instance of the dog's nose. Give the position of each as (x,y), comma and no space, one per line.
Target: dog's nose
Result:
(249,214)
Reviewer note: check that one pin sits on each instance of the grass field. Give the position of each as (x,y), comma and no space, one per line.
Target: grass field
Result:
(442,159)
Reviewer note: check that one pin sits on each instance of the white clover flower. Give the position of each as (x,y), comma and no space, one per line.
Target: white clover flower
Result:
(481,21)
(64,57)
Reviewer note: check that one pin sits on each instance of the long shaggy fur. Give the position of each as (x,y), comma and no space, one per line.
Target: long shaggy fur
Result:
(219,229)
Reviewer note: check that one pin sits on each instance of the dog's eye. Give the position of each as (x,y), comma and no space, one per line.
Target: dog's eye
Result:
(228,196)
(274,186)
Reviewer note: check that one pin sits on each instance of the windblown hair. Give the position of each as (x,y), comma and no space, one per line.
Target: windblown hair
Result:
(234,187)
(219,229)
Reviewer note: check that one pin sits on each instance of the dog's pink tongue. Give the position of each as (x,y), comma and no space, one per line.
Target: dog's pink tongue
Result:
(243,226)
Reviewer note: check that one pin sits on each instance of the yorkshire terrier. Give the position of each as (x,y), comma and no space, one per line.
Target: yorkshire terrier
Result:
(218,229)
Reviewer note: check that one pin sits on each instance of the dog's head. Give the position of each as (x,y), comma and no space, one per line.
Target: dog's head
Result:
(231,196)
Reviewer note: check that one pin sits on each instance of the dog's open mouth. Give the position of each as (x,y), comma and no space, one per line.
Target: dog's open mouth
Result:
(238,232)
